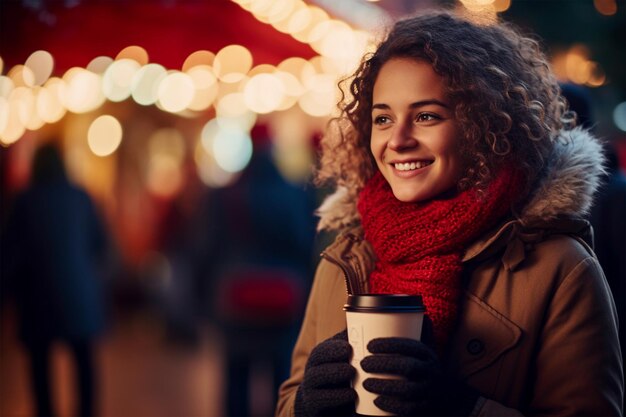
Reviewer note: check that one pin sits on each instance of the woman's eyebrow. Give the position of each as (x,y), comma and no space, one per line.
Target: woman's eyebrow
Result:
(414,105)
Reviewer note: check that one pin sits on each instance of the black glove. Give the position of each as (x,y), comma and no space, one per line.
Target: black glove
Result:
(425,391)
(325,389)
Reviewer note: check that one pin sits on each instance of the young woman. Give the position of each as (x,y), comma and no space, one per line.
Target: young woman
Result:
(460,177)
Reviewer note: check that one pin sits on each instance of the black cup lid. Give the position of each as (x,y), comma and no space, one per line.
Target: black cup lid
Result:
(384,302)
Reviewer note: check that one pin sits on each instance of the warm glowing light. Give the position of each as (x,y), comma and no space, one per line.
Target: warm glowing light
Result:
(167,141)
(49,104)
(280,10)
(1,65)
(476,4)
(320,98)
(41,64)
(6,86)
(231,105)
(341,48)
(290,83)
(597,77)
(481,12)
(13,127)
(82,93)
(606,7)
(99,64)
(176,91)
(145,84)
(232,63)
(23,99)
(293,89)
(22,76)
(134,52)
(205,85)
(299,20)
(207,136)
(201,57)
(261,69)
(502,5)
(243,121)
(260,7)
(282,24)
(317,16)
(619,116)
(299,67)
(166,151)
(118,78)
(264,93)
(104,135)
(4,113)
(232,113)
(34,121)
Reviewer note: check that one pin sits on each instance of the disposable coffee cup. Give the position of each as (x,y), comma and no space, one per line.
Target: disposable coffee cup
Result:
(370,316)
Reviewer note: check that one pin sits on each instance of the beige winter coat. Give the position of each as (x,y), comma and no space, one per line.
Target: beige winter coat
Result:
(537,328)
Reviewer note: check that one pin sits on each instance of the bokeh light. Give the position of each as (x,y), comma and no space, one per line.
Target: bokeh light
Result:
(201,57)
(99,64)
(49,103)
(134,52)
(264,93)
(22,76)
(619,116)
(82,92)
(6,86)
(41,64)
(145,84)
(232,63)
(104,135)
(606,7)
(205,85)
(118,78)
(176,92)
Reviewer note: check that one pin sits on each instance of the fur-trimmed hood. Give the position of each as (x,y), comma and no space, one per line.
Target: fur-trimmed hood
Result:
(566,188)
(570,179)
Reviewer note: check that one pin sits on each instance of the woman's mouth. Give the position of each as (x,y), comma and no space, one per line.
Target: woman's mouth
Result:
(411,166)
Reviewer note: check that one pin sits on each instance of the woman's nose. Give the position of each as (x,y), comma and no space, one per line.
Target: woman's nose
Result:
(401,138)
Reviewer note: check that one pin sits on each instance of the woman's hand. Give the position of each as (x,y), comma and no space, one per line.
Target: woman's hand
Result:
(424,390)
(325,389)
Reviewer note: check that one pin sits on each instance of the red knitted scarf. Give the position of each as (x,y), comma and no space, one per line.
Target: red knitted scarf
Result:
(419,246)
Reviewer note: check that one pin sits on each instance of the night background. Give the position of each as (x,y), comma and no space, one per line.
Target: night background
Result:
(193,128)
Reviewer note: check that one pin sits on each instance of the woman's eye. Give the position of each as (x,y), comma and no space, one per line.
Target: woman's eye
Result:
(426,117)
(381,120)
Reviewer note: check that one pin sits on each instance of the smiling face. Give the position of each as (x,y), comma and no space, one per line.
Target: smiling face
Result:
(414,133)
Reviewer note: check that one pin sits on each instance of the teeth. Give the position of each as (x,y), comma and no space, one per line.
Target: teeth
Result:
(409,166)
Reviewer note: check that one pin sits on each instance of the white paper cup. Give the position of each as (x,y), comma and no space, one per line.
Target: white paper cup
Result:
(370,316)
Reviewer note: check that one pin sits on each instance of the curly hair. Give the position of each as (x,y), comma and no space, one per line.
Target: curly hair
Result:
(506,102)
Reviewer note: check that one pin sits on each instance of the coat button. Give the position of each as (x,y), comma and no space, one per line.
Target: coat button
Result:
(475,346)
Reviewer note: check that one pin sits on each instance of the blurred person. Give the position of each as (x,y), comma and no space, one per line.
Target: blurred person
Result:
(259,258)
(608,213)
(51,248)
(461,177)
(608,217)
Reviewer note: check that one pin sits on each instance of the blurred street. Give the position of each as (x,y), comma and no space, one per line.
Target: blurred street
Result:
(141,373)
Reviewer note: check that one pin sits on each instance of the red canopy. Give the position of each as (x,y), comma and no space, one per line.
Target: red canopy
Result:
(169,30)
